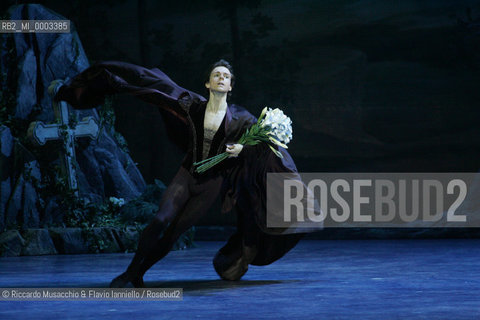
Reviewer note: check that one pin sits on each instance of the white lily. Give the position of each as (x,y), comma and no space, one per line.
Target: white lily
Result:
(278,143)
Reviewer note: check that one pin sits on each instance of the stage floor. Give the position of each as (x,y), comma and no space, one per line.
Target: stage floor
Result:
(357,279)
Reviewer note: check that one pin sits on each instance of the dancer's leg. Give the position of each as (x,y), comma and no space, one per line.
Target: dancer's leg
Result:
(202,197)
(173,200)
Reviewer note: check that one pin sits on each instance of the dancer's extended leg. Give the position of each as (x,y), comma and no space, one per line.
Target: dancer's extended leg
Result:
(202,197)
(185,201)
(173,200)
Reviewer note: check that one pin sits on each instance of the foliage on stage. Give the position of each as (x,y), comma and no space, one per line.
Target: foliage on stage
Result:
(143,208)
(77,212)
(107,117)
(53,184)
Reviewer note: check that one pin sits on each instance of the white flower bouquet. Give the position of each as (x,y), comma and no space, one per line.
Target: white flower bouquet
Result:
(273,127)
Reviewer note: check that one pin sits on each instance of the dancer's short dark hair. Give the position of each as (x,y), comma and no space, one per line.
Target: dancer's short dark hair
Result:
(221,63)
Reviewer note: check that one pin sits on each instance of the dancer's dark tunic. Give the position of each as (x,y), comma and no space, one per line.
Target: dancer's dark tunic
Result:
(241,181)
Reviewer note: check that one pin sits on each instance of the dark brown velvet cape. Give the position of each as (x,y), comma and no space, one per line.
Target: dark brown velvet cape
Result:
(245,177)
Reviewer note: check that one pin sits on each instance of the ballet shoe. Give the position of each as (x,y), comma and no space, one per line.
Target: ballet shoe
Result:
(123,281)
(236,271)
(138,282)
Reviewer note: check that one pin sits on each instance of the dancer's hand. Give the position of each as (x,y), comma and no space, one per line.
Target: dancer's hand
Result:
(234,149)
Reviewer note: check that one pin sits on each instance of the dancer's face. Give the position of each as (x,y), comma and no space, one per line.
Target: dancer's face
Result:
(220,80)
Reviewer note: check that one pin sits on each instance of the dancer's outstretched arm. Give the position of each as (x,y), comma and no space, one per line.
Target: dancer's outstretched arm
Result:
(89,88)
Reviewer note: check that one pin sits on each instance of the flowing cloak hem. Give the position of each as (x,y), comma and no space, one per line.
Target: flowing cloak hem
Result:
(245,189)
(246,184)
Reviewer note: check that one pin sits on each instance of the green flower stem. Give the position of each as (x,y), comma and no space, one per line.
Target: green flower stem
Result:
(252,136)
(210,162)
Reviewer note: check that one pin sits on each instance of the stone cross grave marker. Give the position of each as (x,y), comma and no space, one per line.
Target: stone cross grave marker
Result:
(40,133)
